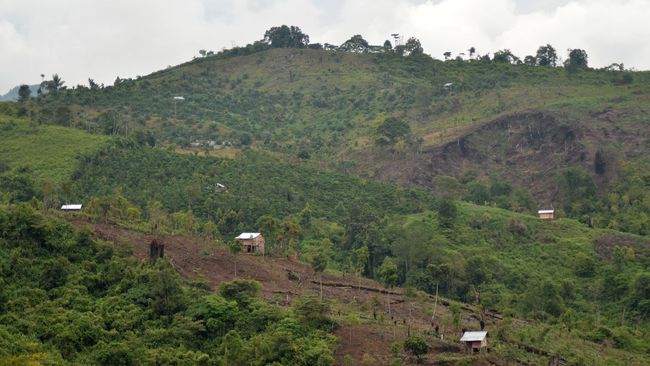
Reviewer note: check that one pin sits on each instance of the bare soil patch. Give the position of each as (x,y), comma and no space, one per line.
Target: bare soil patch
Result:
(199,259)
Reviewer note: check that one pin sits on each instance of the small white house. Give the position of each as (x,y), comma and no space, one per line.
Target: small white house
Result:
(252,242)
(475,340)
(73,207)
(546,214)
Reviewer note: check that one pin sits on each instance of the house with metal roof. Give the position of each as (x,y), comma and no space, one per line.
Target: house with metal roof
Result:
(73,207)
(546,214)
(252,242)
(475,340)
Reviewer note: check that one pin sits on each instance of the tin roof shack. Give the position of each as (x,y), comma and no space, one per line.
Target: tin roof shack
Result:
(74,207)
(475,341)
(546,214)
(252,242)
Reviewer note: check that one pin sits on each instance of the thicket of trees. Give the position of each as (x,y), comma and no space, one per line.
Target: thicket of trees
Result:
(286,37)
(257,185)
(66,299)
(351,225)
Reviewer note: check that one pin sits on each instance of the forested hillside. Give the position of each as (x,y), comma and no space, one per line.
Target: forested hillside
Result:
(358,160)
(400,116)
(67,299)
(462,248)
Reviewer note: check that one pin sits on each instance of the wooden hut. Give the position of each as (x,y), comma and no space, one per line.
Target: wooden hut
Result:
(546,214)
(475,341)
(252,242)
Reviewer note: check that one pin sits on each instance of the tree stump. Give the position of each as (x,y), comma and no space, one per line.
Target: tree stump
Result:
(156,250)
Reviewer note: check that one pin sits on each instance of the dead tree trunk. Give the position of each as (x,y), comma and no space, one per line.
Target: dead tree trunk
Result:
(156,250)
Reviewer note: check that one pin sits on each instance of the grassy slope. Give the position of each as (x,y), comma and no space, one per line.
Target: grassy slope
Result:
(49,152)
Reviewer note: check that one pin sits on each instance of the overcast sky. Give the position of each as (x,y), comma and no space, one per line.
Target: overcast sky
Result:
(103,39)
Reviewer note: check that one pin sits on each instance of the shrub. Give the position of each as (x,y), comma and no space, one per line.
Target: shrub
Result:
(416,346)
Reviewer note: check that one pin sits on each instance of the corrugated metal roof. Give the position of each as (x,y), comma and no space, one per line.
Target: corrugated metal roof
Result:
(71,207)
(545,211)
(248,236)
(473,336)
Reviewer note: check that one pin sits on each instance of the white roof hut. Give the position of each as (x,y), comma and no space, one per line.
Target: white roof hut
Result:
(73,207)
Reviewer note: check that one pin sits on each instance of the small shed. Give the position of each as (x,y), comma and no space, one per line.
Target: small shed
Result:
(252,242)
(546,214)
(475,341)
(73,207)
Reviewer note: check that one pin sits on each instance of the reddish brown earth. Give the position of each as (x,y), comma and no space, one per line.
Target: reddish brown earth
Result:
(359,334)
(528,149)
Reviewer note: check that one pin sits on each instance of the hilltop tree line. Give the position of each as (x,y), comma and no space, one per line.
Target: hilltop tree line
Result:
(293,37)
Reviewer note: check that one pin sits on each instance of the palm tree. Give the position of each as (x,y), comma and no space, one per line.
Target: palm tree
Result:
(53,85)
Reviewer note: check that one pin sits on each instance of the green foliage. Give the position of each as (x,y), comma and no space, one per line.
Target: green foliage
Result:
(286,37)
(447,213)
(558,272)
(578,189)
(546,56)
(577,60)
(319,262)
(241,291)
(505,57)
(235,246)
(416,346)
(49,152)
(355,44)
(456,315)
(313,311)
(388,273)
(585,266)
(413,47)
(54,85)
(68,300)
(24,92)
(167,293)
(391,130)
(360,259)
(156,175)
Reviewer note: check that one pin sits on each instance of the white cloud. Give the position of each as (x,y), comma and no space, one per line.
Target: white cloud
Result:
(104,39)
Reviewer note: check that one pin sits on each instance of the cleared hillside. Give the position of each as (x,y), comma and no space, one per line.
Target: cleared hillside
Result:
(361,335)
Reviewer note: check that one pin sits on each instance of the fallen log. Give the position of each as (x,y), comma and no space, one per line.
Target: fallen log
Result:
(349,286)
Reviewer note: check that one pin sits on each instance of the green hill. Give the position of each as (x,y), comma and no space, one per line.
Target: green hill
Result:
(66,299)
(48,152)
(439,166)
(463,248)
(391,118)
